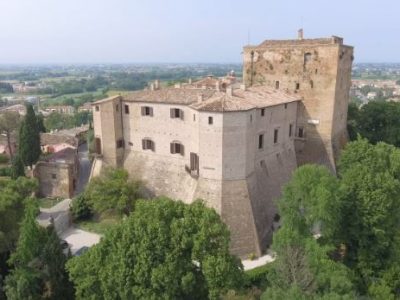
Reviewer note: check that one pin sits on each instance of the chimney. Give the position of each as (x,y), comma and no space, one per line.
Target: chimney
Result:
(200,98)
(157,84)
(243,87)
(229,91)
(190,81)
(218,86)
(300,34)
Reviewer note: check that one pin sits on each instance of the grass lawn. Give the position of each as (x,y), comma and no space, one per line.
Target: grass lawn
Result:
(49,202)
(100,224)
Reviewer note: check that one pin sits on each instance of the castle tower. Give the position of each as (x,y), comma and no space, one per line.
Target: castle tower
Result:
(319,70)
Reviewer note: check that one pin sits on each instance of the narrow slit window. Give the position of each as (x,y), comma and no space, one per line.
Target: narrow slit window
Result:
(260,141)
(210,120)
(277,85)
(126,109)
(262,112)
(290,130)
(276,134)
(300,132)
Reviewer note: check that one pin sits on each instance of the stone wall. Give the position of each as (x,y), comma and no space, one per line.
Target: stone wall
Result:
(55,179)
(318,71)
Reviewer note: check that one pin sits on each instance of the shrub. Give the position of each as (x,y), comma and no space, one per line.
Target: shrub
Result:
(258,277)
(6,172)
(80,208)
(4,159)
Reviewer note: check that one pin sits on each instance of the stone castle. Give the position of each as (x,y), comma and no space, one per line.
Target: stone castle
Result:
(234,145)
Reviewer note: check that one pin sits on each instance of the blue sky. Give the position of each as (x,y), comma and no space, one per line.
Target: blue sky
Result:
(118,31)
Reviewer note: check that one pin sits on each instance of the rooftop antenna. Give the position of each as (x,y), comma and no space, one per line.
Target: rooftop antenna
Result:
(248,36)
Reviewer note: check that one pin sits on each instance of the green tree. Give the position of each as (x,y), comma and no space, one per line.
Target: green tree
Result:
(18,168)
(39,264)
(370,225)
(376,121)
(310,210)
(112,190)
(164,250)
(40,122)
(9,122)
(13,198)
(29,138)
(80,208)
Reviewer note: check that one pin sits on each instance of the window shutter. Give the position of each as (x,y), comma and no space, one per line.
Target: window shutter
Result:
(182,152)
(172,114)
(181,114)
(172,148)
(151,111)
(143,110)
(143,143)
(152,145)
(192,161)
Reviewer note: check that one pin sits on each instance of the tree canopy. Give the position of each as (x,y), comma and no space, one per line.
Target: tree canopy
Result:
(164,250)
(39,264)
(377,121)
(112,190)
(29,138)
(9,122)
(340,235)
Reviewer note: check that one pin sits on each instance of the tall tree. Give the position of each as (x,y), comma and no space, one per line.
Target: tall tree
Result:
(164,250)
(39,264)
(310,210)
(29,138)
(9,122)
(17,168)
(370,181)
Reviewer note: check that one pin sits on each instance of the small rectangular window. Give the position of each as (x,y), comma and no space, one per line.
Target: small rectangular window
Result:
(176,113)
(276,136)
(285,105)
(116,107)
(262,112)
(147,111)
(194,117)
(260,141)
(277,85)
(120,143)
(290,130)
(210,120)
(194,162)
(97,108)
(297,86)
(148,144)
(126,109)
(53,176)
(177,147)
(300,132)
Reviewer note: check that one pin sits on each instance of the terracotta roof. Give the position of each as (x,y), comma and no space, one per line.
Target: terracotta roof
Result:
(169,95)
(56,138)
(67,155)
(241,100)
(106,100)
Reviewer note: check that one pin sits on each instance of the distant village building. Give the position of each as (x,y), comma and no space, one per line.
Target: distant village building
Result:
(61,109)
(19,108)
(371,95)
(232,145)
(86,107)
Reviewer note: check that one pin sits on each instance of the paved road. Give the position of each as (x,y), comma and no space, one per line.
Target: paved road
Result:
(84,168)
